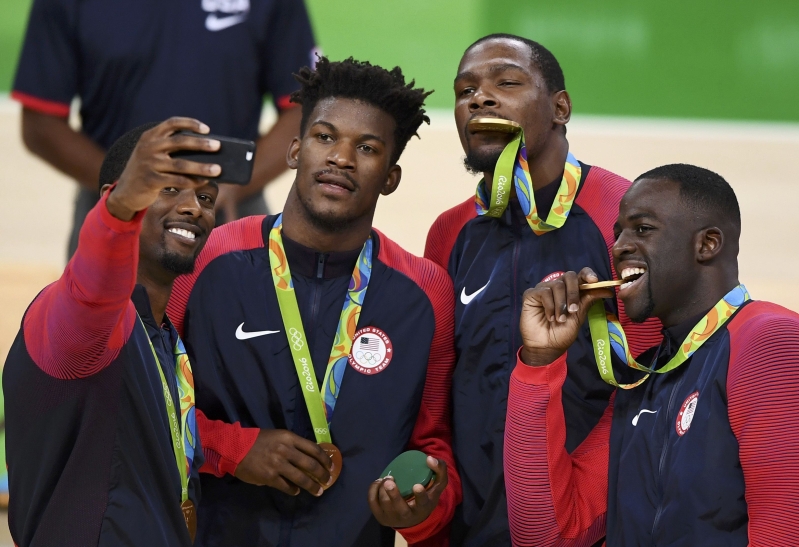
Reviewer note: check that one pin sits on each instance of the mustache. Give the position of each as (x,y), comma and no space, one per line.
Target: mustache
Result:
(337,173)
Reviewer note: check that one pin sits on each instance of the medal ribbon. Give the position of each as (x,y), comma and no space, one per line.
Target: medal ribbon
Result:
(320,406)
(512,165)
(606,332)
(183,445)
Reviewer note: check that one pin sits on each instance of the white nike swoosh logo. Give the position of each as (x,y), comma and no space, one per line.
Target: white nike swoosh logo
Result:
(241,335)
(214,23)
(466,298)
(635,420)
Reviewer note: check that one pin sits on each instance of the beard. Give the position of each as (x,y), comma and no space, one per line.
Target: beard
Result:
(646,312)
(478,163)
(325,221)
(177,263)
(328,221)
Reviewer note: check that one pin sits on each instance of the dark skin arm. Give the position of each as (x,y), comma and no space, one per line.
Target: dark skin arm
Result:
(73,153)
(552,314)
(285,461)
(150,168)
(390,509)
(270,162)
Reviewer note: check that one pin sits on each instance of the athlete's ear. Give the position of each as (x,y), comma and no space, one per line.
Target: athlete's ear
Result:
(103,189)
(562,107)
(293,154)
(709,243)
(392,181)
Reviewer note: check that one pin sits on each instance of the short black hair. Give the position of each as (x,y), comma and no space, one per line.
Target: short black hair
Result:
(118,155)
(541,57)
(701,189)
(365,82)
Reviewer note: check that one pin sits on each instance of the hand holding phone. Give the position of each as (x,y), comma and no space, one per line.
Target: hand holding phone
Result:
(235,156)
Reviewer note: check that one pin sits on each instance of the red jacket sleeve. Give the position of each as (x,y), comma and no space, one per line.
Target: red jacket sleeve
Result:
(553,498)
(78,325)
(763,394)
(224,445)
(432,433)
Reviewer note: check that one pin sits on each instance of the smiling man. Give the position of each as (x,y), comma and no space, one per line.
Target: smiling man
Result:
(700,445)
(558,216)
(329,348)
(102,444)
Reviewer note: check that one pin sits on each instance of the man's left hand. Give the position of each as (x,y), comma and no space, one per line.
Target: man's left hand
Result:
(390,509)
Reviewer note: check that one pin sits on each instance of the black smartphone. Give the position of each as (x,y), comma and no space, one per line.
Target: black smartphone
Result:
(235,157)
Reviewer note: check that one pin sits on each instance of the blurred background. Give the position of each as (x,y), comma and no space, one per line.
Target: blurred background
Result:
(715,83)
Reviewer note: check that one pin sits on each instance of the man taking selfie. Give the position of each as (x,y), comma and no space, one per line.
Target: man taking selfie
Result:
(102,438)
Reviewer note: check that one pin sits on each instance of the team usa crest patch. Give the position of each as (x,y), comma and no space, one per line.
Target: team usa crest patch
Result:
(371,352)
(552,277)
(686,414)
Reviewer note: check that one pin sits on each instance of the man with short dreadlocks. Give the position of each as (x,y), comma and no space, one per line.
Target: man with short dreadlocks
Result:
(326,350)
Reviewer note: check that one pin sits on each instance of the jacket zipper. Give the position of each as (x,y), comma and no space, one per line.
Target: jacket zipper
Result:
(663,455)
(317,296)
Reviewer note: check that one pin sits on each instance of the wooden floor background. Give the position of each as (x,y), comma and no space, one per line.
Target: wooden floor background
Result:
(754,158)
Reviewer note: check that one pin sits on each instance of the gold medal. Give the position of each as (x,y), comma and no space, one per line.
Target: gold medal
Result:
(190,516)
(602,284)
(499,125)
(335,457)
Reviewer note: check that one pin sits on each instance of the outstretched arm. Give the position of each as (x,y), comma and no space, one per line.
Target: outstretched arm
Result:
(78,325)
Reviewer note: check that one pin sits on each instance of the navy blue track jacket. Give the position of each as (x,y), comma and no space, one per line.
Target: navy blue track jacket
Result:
(252,380)
(90,456)
(135,61)
(492,261)
(705,454)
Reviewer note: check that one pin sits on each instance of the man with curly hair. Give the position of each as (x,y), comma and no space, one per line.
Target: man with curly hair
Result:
(296,432)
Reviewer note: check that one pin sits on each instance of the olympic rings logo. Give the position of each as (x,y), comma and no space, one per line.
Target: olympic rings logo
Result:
(320,430)
(369,357)
(296,339)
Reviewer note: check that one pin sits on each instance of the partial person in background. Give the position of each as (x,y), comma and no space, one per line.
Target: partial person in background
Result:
(135,61)
(701,447)
(316,328)
(557,217)
(102,436)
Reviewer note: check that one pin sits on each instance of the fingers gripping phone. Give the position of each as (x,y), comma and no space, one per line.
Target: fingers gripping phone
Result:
(235,157)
